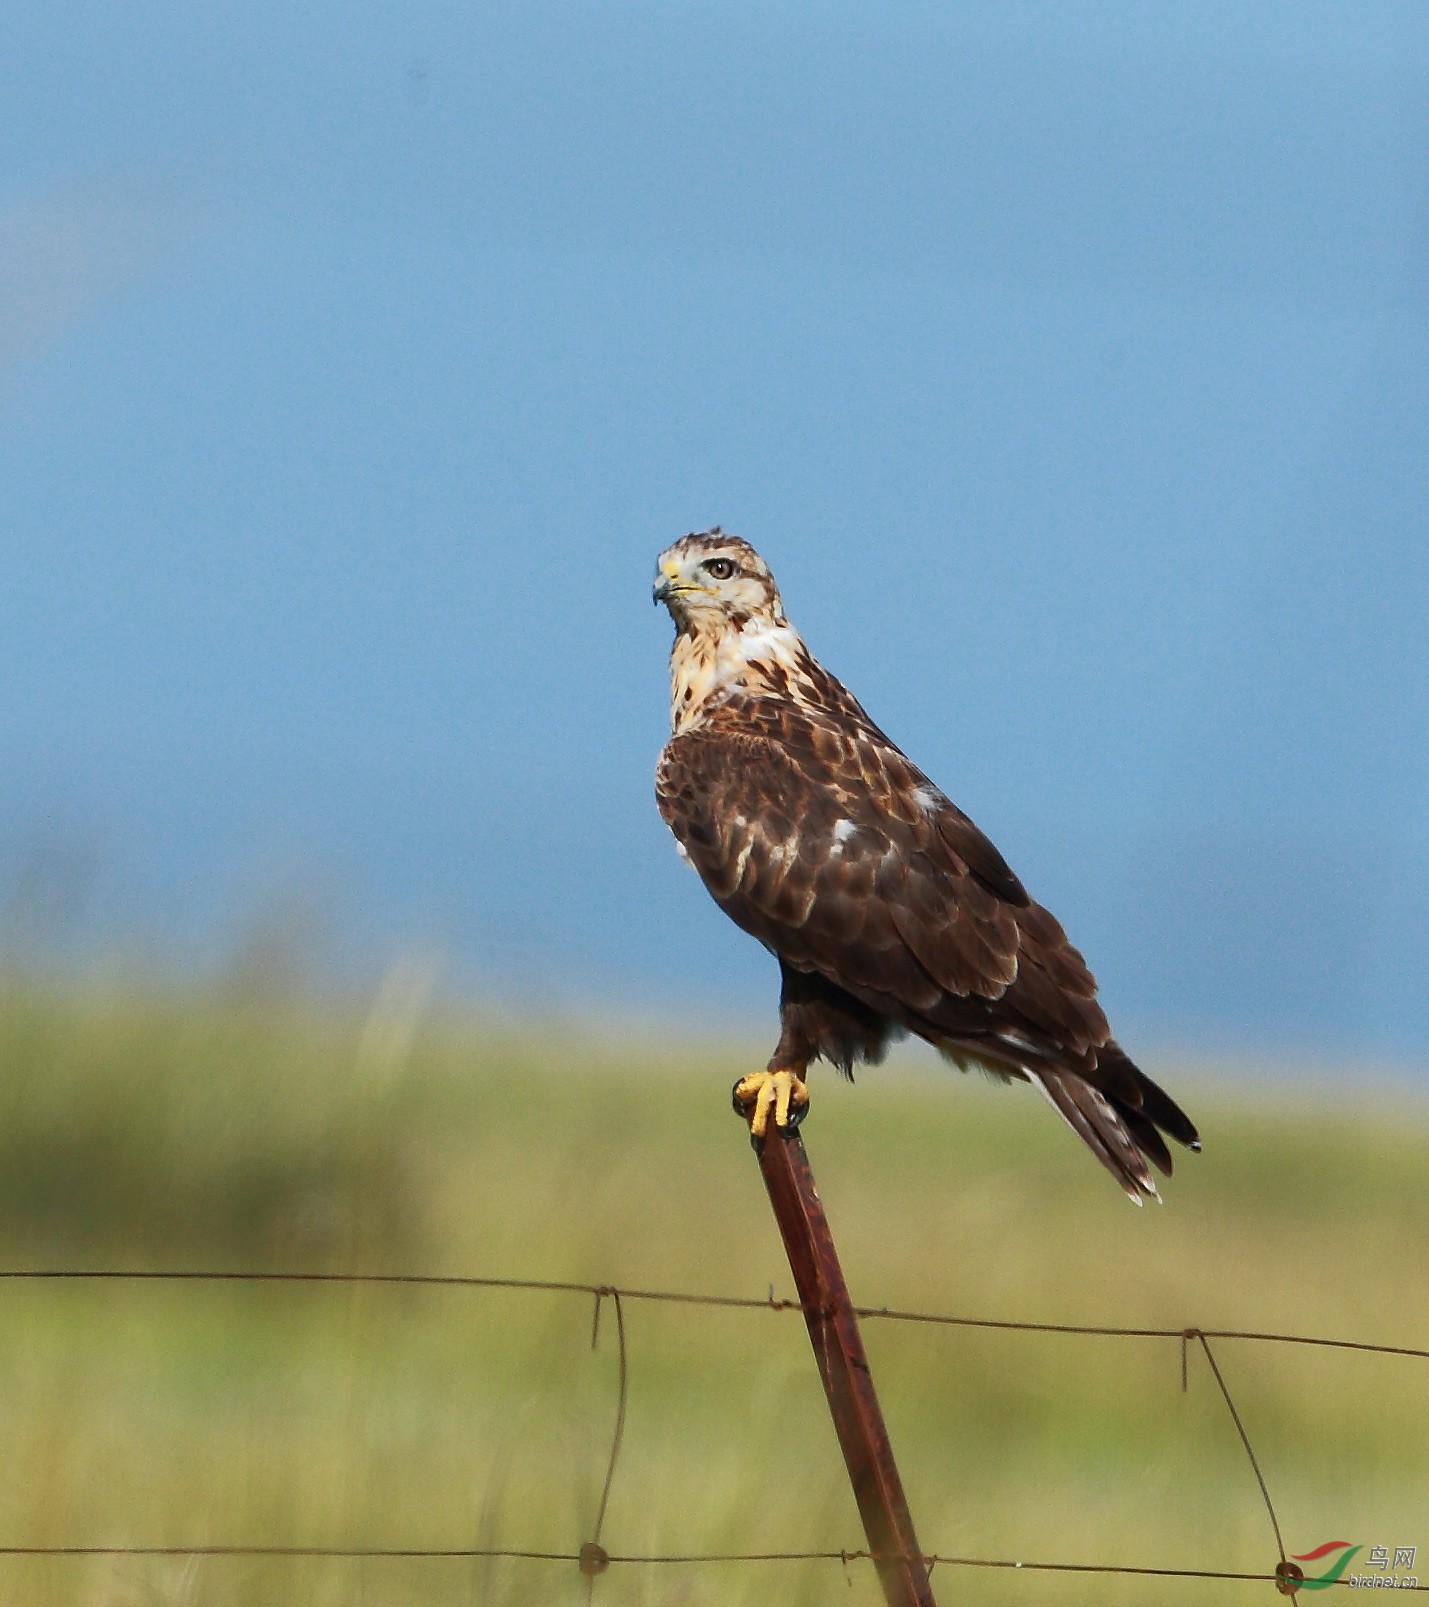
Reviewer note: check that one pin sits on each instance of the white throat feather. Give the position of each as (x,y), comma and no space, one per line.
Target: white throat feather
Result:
(764,657)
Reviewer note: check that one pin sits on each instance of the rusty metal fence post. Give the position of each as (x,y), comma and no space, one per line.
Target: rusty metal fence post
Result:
(843,1366)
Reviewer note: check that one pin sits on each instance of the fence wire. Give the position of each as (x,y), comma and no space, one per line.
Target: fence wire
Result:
(592,1558)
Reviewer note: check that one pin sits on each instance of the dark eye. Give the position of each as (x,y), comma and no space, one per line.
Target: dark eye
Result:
(719,568)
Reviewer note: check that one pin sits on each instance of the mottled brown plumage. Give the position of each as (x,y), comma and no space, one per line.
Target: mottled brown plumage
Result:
(888,909)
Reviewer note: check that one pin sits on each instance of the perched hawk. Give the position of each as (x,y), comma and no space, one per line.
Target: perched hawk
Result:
(889,911)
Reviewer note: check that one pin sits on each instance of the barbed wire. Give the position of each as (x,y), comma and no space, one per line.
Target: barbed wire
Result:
(592,1558)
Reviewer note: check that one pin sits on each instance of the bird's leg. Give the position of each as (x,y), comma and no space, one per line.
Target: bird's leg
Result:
(780,1090)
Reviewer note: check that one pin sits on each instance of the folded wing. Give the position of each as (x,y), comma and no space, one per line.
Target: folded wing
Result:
(819,837)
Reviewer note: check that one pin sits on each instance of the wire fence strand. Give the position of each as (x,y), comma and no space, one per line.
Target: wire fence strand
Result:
(930,1559)
(437,1280)
(1244,1440)
(592,1558)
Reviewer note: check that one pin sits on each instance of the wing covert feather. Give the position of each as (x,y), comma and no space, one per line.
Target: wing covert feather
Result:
(828,845)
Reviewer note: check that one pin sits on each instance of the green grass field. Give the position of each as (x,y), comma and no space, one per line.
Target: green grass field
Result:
(228,1128)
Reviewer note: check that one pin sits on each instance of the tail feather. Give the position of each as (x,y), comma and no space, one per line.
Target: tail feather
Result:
(1148,1138)
(1096,1121)
(1116,1110)
(1127,1085)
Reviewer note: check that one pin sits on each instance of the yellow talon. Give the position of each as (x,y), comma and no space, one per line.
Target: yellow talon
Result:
(765,1091)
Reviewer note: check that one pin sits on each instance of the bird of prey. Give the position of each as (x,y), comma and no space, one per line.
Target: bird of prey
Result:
(887,908)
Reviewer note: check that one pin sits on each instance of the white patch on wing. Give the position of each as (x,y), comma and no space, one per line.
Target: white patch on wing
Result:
(743,859)
(928,799)
(785,852)
(843,830)
(1014,1040)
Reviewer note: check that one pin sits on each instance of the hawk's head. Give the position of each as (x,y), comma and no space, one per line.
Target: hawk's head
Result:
(716,581)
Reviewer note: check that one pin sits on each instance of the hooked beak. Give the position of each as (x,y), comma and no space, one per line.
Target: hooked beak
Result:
(664,590)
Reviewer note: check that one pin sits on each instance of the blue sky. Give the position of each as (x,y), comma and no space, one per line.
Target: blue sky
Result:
(1070,364)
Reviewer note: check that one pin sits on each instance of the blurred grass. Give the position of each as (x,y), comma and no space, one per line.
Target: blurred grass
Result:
(241,1128)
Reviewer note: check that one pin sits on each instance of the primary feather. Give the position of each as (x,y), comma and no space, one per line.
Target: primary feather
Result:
(888,909)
